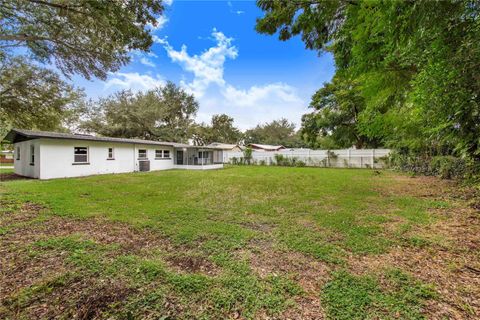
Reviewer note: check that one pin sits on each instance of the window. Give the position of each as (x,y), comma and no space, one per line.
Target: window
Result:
(162,154)
(80,155)
(142,153)
(32,154)
(18,153)
(110,154)
(203,154)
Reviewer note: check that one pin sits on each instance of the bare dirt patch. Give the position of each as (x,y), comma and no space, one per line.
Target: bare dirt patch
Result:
(11,176)
(309,273)
(80,298)
(14,213)
(417,186)
(192,264)
(449,258)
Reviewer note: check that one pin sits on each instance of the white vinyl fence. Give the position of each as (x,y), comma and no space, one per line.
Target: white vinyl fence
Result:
(345,158)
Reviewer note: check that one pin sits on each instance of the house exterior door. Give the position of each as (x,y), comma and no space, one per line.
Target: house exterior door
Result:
(180,157)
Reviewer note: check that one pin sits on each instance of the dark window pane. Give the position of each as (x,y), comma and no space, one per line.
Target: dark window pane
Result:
(142,153)
(80,154)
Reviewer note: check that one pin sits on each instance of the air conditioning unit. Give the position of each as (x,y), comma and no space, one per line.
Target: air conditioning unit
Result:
(144,165)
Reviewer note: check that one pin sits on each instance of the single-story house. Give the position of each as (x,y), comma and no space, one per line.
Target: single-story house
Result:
(225,146)
(48,155)
(265,147)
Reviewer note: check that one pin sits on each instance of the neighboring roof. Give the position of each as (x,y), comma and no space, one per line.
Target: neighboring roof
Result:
(223,146)
(265,146)
(17,135)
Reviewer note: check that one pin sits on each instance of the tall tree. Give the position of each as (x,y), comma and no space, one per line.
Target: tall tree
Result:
(334,121)
(221,129)
(87,37)
(277,132)
(165,113)
(32,97)
(414,64)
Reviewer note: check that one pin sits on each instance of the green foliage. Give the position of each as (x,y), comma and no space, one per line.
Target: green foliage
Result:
(337,108)
(87,37)
(277,132)
(446,167)
(221,129)
(362,297)
(406,73)
(165,113)
(35,98)
(247,154)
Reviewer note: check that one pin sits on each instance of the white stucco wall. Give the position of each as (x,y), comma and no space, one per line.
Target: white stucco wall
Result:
(55,158)
(23,166)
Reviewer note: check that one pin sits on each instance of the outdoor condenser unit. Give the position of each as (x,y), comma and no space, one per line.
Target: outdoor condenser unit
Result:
(144,165)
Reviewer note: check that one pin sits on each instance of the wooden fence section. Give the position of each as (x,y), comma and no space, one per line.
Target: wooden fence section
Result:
(344,158)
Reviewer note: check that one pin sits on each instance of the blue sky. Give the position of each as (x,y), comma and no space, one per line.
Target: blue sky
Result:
(212,50)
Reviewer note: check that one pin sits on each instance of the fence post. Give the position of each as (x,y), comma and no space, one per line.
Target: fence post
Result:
(373,158)
(349,158)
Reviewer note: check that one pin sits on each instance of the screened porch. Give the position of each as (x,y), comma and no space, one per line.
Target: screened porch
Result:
(189,157)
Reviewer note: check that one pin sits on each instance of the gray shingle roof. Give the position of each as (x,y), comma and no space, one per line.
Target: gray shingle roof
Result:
(16,135)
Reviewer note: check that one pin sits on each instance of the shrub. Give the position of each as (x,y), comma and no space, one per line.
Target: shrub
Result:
(300,163)
(323,162)
(279,159)
(247,155)
(234,160)
(448,167)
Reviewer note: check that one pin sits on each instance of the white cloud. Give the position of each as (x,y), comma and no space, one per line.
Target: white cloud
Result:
(207,68)
(147,62)
(258,95)
(168,2)
(161,22)
(134,81)
(262,103)
(257,104)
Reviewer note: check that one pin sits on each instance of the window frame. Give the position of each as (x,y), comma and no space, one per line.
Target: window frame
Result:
(201,154)
(32,154)
(161,154)
(146,154)
(112,156)
(75,162)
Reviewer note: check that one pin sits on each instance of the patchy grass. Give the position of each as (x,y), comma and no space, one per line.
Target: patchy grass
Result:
(363,297)
(243,242)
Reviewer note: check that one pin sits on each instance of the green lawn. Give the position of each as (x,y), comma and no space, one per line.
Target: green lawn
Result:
(6,165)
(243,242)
